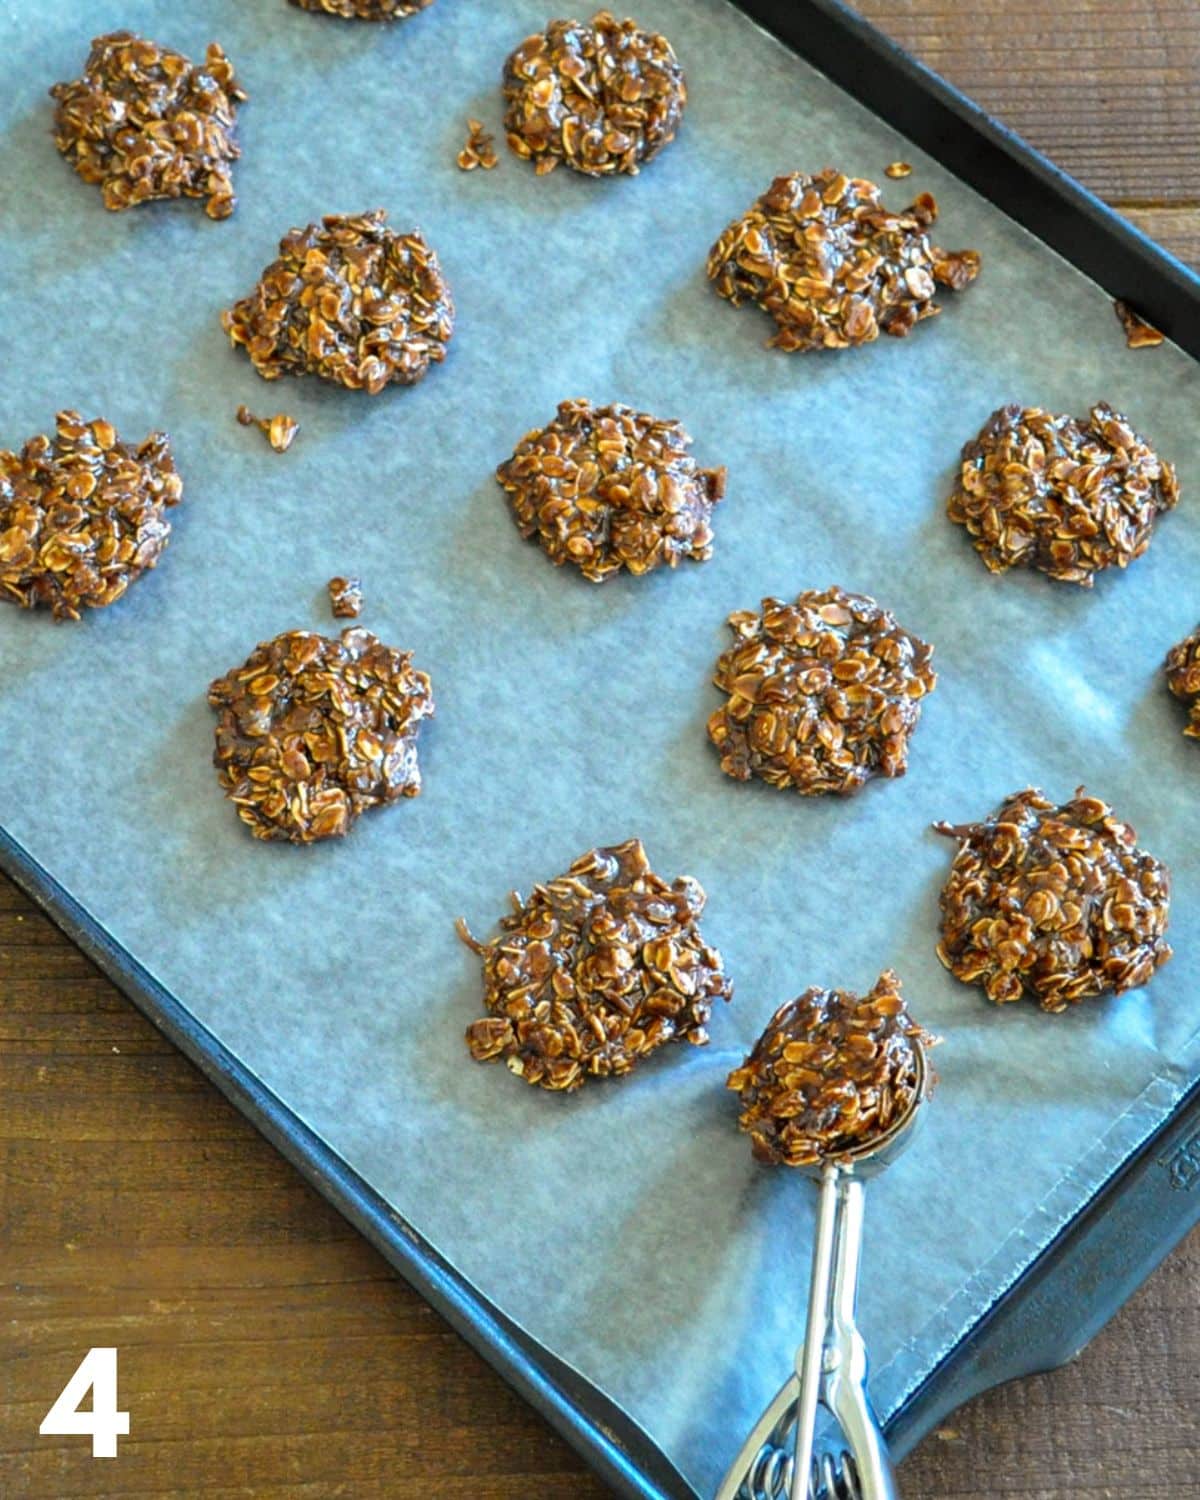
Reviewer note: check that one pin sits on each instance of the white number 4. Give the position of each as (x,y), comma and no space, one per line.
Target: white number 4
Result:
(97,1372)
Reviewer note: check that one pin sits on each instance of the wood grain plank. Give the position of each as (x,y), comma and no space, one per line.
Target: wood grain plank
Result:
(1107,88)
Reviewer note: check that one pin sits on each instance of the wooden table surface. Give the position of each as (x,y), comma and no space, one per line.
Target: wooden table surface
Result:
(265,1349)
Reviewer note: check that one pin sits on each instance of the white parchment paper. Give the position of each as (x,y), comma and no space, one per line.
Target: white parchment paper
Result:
(626,1227)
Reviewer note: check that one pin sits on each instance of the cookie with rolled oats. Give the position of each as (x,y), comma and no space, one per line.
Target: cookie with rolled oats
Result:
(596,970)
(1069,496)
(1054,902)
(144,122)
(831,1074)
(823,693)
(607,487)
(602,96)
(82,515)
(312,732)
(349,300)
(366,10)
(1182,667)
(832,265)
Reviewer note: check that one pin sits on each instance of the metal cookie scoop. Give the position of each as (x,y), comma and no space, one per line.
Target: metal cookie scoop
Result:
(831,1364)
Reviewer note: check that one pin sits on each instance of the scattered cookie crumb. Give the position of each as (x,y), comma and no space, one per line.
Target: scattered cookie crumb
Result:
(345,597)
(1138,333)
(898,169)
(280,430)
(480,150)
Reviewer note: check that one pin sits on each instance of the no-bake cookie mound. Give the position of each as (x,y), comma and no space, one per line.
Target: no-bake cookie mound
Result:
(1070,496)
(831,1074)
(313,732)
(144,122)
(597,969)
(824,693)
(832,265)
(1183,678)
(606,488)
(1057,903)
(366,10)
(82,515)
(602,97)
(349,300)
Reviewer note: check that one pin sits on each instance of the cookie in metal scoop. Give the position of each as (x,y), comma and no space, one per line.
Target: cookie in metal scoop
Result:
(832,1072)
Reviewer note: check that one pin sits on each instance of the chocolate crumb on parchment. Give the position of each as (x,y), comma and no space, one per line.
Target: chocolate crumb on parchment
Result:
(1057,903)
(1183,678)
(602,97)
(832,265)
(823,693)
(1070,496)
(345,597)
(1138,333)
(144,122)
(479,151)
(82,515)
(607,487)
(597,969)
(366,10)
(313,731)
(349,300)
(831,1074)
(280,430)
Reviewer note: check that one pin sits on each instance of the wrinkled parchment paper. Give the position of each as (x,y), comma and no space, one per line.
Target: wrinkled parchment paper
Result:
(626,1227)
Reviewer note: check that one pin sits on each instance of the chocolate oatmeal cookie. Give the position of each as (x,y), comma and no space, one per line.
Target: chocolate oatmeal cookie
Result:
(1057,903)
(349,300)
(145,122)
(1069,496)
(1183,678)
(82,515)
(832,265)
(607,487)
(366,10)
(824,693)
(597,969)
(312,732)
(832,1073)
(603,97)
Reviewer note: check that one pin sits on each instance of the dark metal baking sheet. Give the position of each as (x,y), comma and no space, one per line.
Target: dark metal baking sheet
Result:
(1054,209)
